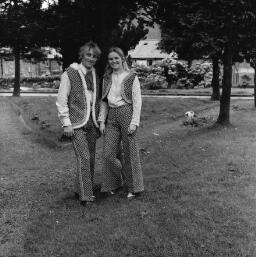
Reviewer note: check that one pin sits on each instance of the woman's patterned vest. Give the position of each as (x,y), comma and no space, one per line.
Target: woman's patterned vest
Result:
(77,103)
(126,87)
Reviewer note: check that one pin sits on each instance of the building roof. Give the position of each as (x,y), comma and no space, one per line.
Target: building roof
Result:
(147,49)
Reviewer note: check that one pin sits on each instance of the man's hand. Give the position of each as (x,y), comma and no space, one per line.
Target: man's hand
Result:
(68,131)
(132,128)
(102,128)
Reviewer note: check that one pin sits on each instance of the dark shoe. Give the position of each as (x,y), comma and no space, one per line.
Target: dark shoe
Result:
(85,203)
(77,196)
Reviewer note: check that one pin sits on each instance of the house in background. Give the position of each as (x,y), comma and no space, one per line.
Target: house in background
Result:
(147,53)
(243,74)
(30,67)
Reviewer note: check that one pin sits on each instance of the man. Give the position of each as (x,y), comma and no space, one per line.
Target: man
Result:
(78,106)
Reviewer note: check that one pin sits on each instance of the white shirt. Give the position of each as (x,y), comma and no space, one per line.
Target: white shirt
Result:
(114,96)
(62,98)
(115,99)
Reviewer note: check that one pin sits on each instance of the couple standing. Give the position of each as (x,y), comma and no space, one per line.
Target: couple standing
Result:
(115,114)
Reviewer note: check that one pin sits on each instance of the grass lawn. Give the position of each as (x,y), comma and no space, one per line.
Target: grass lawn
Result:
(200,188)
(40,114)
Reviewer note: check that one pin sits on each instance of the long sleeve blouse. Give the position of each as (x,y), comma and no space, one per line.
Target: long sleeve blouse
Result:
(115,99)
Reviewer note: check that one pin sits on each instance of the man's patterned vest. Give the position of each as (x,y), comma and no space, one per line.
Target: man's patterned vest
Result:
(78,99)
(126,87)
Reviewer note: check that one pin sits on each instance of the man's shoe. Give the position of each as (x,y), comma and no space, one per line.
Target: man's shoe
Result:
(77,196)
(85,203)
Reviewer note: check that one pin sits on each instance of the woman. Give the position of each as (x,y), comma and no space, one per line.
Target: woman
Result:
(121,105)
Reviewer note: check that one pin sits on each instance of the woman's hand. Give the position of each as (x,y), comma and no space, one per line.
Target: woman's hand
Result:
(132,128)
(102,128)
(68,131)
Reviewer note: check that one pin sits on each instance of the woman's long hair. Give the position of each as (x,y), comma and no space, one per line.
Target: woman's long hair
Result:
(119,51)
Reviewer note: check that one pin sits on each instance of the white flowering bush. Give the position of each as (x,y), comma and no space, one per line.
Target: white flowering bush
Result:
(151,77)
(174,73)
(200,73)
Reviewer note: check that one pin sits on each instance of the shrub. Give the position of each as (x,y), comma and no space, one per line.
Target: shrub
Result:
(154,81)
(33,82)
(245,81)
(172,72)
(184,83)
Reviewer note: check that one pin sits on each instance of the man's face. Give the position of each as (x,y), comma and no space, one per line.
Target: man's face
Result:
(89,58)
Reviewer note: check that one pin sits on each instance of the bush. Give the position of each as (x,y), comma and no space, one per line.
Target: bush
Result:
(32,82)
(245,81)
(184,83)
(172,72)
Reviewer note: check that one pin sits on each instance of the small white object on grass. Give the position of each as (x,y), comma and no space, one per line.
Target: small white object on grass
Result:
(190,115)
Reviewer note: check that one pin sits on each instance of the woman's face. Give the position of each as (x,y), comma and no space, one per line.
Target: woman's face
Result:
(115,61)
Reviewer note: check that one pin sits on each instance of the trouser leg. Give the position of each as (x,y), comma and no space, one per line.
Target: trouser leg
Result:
(111,164)
(91,137)
(84,176)
(132,169)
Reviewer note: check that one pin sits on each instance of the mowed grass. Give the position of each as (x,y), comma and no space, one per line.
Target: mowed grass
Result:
(40,114)
(199,198)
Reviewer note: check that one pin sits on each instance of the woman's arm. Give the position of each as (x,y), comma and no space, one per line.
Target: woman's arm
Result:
(136,102)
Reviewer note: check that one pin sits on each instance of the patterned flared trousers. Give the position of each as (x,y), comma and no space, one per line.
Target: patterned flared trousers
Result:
(84,144)
(116,131)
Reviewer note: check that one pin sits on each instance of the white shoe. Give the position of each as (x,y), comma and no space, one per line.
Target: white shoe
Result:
(130,195)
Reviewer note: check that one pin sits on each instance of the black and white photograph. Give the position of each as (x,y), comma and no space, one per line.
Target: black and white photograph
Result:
(127,128)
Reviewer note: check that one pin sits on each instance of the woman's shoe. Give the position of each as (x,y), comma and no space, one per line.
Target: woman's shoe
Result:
(131,195)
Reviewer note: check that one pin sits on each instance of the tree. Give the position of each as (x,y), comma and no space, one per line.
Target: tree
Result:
(180,35)
(249,54)
(213,27)
(20,29)
(110,22)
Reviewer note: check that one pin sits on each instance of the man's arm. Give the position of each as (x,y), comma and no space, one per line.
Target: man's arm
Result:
(62,104)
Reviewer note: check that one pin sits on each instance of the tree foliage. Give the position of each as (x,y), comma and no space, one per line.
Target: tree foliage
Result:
(196,28)
(109,22)
(21,28)
(68,24)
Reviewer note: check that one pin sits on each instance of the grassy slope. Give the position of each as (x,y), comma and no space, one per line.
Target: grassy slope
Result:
(199,199)
(154,112)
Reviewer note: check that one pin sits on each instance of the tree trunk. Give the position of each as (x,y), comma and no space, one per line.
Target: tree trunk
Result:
(254,86)
(2,66)
(69,51)
(223,118)
(215,79)
(16,89)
